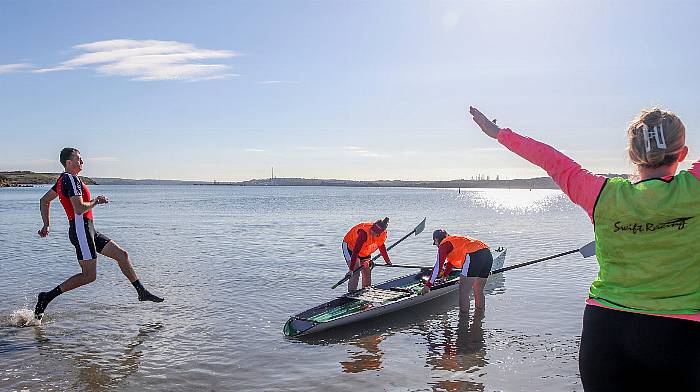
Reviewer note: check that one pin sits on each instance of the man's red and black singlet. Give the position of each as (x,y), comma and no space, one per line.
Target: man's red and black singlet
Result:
(67,186)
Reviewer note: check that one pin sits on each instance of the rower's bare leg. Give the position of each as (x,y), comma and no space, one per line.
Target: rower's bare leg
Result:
(87,275)
(465,289)
(479,298)
(366,277)
(118,254)
(352,282)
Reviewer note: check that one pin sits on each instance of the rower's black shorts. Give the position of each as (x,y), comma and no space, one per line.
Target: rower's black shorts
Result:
(625,351)
(87,241)
(478,264)
(362,258)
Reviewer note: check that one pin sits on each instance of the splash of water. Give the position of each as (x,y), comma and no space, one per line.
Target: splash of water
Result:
(23,318)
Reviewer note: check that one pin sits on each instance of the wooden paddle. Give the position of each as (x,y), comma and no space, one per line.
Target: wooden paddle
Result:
(419,229)
(587,250)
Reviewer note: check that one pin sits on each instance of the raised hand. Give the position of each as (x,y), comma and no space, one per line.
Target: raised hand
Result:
(487,126)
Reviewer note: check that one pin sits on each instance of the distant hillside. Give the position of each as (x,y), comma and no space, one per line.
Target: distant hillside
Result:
(526,183)
(19,178)
(537,183)
(127,181)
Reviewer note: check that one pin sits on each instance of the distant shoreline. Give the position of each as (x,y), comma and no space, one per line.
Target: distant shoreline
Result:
(28,178)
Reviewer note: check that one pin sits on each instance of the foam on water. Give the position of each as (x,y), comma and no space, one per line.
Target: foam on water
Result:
(23,318)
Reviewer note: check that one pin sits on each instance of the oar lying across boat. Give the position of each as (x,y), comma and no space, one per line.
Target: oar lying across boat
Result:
(374,301)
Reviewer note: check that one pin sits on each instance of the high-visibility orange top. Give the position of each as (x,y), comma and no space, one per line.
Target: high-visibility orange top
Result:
(371,245)
(461,246)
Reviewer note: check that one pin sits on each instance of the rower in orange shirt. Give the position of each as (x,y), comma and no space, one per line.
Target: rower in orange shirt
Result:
(472,256)
(359,244)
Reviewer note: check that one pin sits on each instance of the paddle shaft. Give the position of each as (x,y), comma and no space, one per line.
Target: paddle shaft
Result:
(532,262)
(586,251)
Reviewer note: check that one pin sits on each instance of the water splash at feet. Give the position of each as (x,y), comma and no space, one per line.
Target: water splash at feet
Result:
(23,318)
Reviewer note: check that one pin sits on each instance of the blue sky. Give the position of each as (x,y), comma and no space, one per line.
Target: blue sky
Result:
(224,90)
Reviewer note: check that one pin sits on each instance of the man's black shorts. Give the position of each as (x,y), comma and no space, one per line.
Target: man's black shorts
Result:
(88,242)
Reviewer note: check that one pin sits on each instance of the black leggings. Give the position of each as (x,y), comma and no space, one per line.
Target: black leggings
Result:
(624,351)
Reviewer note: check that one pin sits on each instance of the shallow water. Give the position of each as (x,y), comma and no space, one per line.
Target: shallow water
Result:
(235,262)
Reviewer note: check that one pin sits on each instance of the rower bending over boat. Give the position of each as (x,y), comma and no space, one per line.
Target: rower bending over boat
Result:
(472,256)
(364,238)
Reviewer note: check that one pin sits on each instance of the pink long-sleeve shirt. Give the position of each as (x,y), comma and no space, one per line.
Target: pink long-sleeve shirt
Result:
(580,185)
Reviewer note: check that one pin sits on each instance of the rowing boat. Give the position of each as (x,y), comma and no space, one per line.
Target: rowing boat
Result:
(374,301)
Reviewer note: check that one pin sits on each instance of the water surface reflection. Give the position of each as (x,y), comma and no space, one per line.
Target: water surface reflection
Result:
(454,344)
(457,353)
(93,369)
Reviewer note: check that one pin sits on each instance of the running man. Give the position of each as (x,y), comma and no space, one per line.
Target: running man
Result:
(470,255)
(359,244)
(74,195)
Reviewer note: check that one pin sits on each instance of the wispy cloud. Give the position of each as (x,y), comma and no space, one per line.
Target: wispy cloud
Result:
(450,20)
(363,152)
(354,150)
(7,68)
(253,150)
(278,82)
(308,148)
(149,60)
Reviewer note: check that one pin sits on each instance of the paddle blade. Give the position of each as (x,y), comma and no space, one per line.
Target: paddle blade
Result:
(588,250)
(421,226)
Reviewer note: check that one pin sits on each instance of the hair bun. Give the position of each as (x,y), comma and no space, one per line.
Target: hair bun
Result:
(653,118)
(661,148)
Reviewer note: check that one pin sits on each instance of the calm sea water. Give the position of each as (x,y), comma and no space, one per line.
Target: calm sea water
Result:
(235,262)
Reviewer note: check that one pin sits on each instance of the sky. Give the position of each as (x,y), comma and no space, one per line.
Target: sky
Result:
(364,90)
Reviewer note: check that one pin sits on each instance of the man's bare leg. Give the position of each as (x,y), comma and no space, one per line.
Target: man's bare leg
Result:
(86,276)
(118,254)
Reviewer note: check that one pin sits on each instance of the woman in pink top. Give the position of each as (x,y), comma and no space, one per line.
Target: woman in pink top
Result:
(625,345)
